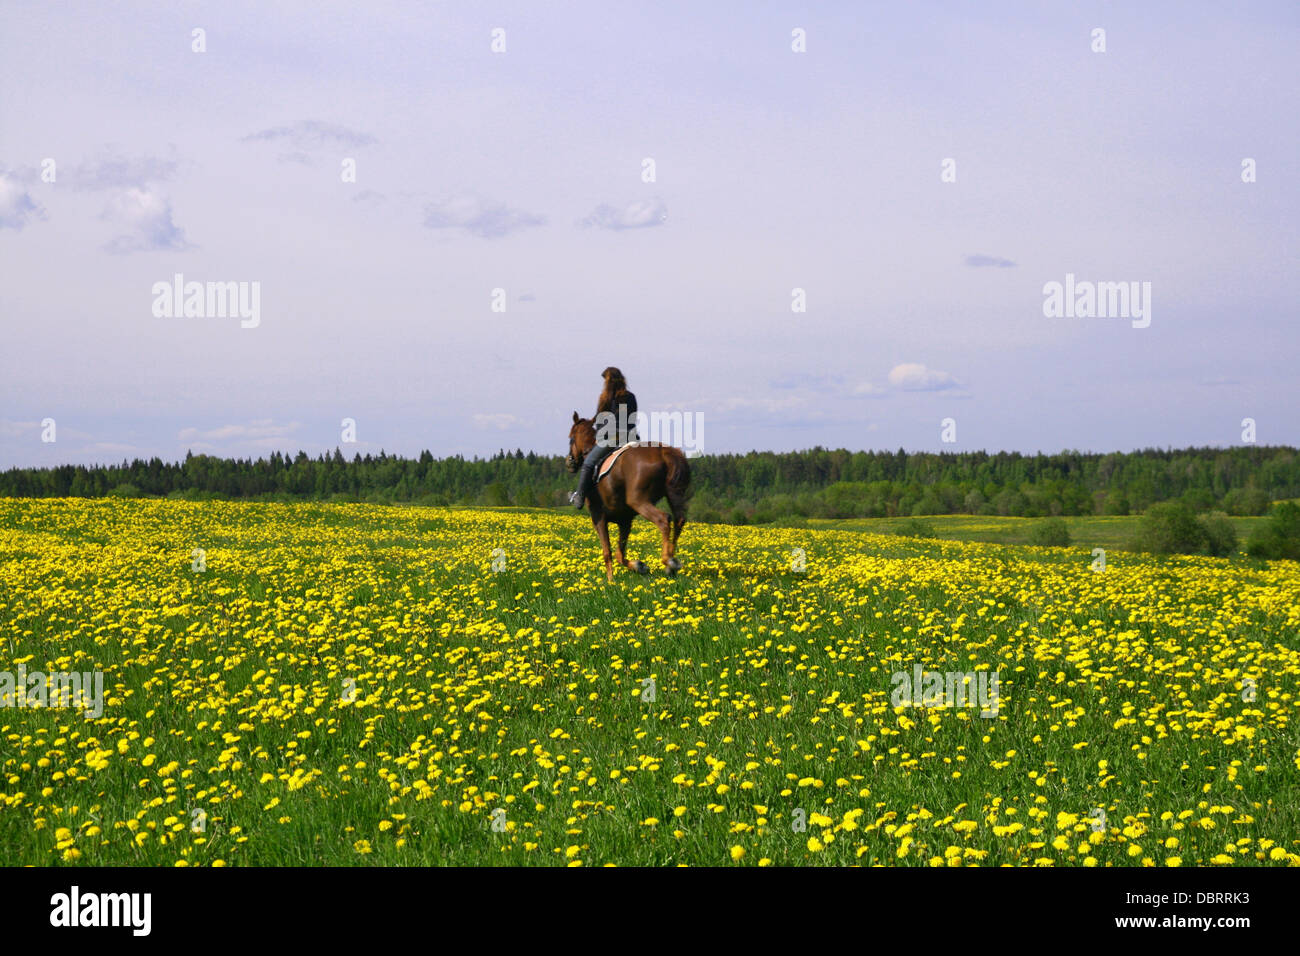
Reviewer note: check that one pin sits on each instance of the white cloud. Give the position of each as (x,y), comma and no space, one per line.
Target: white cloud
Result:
(479,217)
(17,207)
(641,214)
(11,429)
(147,217)
(762,404)
(311,135)
(114,448)
(989,262)
(914,377)
(261,430)
(500,421)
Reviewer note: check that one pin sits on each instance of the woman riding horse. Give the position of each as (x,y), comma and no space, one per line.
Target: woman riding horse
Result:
(641,476)
(615,426)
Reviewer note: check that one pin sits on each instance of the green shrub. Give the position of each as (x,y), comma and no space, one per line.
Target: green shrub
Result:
(1199,500)
(928,505)
(495,495)
(1008,501)
(190,494)
(1280,537)
(1220,534)
(736,516)
(1246,501)
(1116,503)
(1051,533)
(790,521)
(1170,527)
(916,528)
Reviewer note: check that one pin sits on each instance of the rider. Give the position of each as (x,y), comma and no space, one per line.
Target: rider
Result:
(615,425)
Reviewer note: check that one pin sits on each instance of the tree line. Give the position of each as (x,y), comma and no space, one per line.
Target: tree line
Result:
(757,487)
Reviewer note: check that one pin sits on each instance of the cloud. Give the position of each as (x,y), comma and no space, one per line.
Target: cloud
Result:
(642,214)
(819,383)
(259,431)
(147,217)
(307,136)
(985,262)
(500,421)
(120,172)
(133,205)
(769,405)
(914,377)
(113,448)
(17,208)
(908,377)
(479,217)
(12,429)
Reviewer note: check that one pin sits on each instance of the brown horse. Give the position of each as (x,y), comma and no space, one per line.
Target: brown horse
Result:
(641,476)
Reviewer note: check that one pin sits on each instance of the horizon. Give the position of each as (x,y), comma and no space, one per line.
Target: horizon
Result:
(811,227)
(504,452)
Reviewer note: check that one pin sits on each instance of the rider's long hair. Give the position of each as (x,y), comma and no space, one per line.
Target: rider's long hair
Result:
(615,387)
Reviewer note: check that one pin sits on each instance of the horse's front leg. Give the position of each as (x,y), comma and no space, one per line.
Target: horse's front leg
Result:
(601,523)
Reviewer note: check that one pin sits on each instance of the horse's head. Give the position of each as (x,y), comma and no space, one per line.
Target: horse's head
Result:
(582,439)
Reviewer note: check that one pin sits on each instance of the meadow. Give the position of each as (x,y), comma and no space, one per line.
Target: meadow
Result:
(349,684)
(1111,532)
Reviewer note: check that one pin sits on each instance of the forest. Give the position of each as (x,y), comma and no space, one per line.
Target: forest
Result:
(756,487)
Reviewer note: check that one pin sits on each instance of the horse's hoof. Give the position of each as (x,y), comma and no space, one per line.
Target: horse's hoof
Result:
(673,565)
(640,568)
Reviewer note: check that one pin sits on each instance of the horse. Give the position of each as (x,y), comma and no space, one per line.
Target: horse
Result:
(642,475)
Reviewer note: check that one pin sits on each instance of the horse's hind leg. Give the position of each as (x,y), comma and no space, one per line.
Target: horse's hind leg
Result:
(678,507)
(673,564)
(625,529)
(660,520)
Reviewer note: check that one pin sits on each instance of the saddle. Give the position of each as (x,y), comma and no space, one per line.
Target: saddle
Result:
(613,456)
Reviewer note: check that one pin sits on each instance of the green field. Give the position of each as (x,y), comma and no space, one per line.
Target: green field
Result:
(1112,532)
(365,685)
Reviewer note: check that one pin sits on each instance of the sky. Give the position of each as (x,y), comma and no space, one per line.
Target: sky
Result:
(799,224)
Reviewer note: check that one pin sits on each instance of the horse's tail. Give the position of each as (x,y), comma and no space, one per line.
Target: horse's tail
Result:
(678,485)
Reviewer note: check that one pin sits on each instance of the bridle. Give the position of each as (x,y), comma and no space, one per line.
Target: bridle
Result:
(575,456)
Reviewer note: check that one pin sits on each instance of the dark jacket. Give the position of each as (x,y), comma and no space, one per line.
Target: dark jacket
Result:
(621,428)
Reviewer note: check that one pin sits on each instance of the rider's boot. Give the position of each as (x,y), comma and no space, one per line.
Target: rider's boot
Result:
(579,497)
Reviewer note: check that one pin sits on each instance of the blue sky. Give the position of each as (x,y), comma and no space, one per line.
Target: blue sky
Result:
(522,170)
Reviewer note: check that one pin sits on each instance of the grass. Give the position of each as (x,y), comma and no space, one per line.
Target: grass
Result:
(1112,532)
(354,685)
